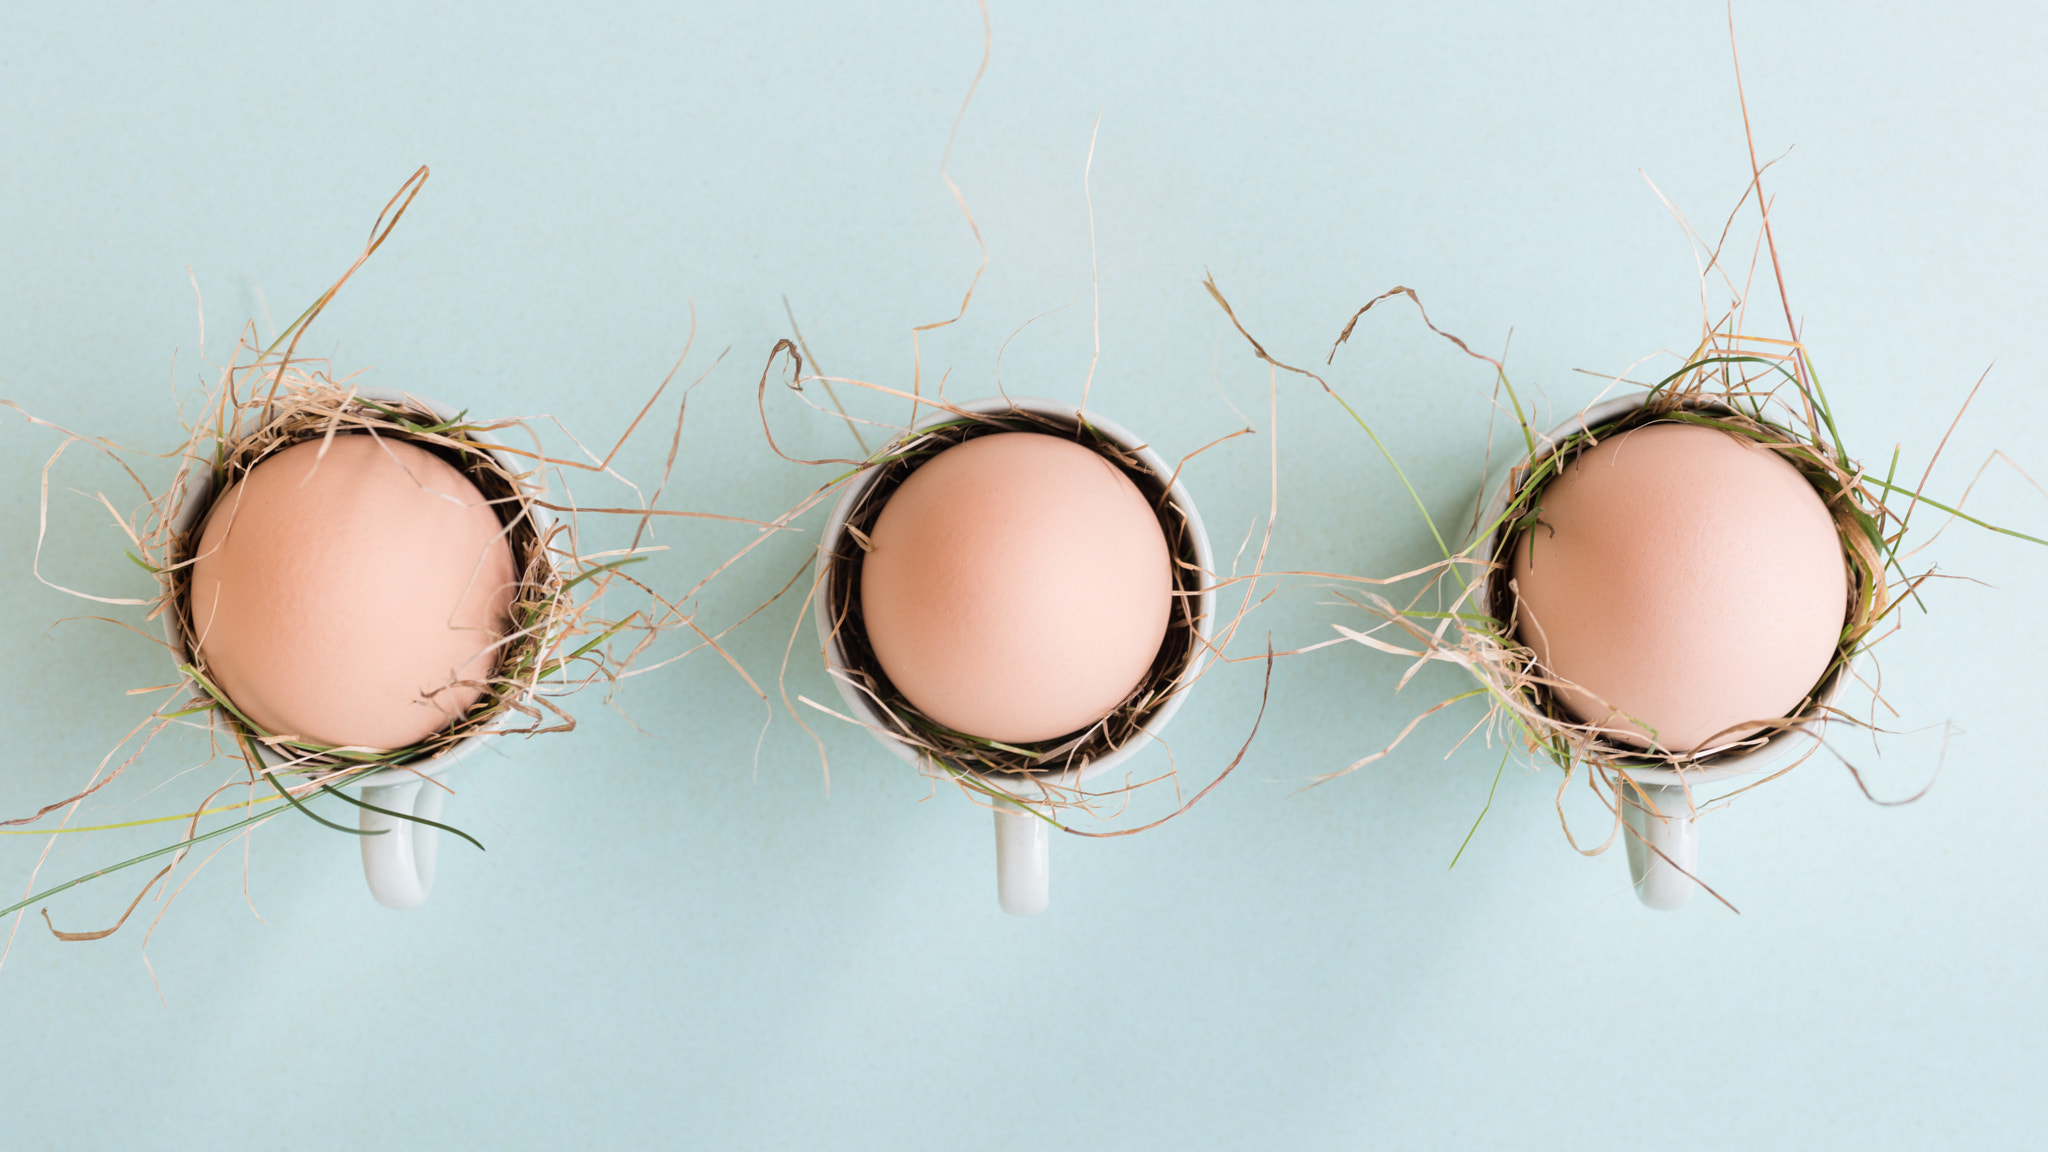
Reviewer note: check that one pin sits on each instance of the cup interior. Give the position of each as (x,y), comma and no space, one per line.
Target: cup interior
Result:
(860,681)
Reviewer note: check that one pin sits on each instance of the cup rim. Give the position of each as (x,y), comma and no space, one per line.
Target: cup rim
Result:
(197,476)
(1025,784)
(1718,766)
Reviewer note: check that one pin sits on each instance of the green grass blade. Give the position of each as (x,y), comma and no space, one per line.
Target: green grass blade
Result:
(315,816)
(1959,514)
(608,633)
(1482,812)
(183,844)
(1396,465)
(601,569)
(328,788)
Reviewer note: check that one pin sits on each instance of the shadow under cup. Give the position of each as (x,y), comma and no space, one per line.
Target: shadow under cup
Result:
(1011,783)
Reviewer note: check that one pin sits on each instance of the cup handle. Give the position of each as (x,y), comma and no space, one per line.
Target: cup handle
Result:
(399,864)
(1671,829)
(1023,860)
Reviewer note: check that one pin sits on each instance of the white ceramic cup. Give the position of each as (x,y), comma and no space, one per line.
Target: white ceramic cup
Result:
(1663,843)
(1023,866)
(398,853)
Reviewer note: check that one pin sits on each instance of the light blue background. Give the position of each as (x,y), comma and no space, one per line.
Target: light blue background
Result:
(674,941)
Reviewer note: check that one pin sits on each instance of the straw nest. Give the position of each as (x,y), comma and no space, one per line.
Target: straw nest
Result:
(1465,614)
(1735,387)
(310,407)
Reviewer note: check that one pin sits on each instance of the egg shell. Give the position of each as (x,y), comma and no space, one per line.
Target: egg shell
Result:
(341,597)
(1684,580)
(1018,587)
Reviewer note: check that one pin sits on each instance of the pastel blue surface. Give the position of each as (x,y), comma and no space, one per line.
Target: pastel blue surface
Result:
(680,935)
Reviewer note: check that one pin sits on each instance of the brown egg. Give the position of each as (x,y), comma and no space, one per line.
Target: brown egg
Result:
(339,599)
(1018,588)
(1684,580)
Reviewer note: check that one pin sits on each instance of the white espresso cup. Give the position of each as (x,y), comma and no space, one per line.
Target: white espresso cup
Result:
(1023,867)
(398,853)
(1659,808)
